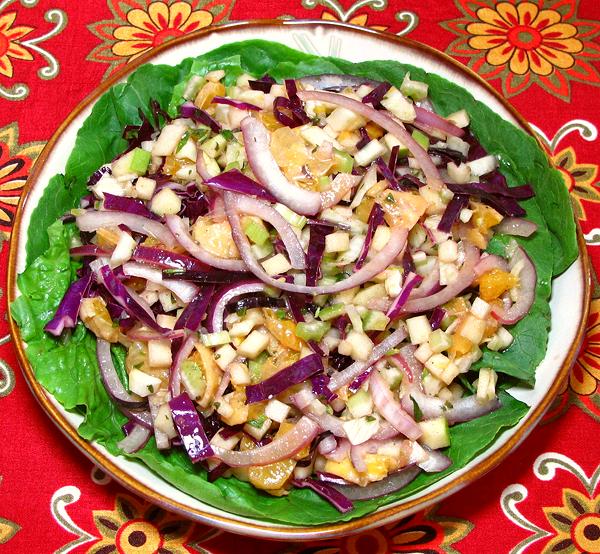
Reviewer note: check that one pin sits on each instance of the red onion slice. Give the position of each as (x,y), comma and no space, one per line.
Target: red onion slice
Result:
(487,262)
(346,376)
(253,206)
(182,235)
(525,289)
(182,289)
(327,445)
(111,380)
(216,314)
(390,484)
(183,353)
(463,409)
(91,221)
(135,440)
(391,409)
(516,226)
(387,122)
(436,121)
(282,448)
(201,168)
(379,262)
(464,278)
(268,173)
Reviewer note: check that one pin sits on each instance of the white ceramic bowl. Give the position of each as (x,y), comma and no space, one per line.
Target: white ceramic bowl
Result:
(569,299)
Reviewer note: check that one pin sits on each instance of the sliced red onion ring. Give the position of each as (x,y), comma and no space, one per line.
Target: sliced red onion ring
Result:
(436,462)
(282,448)
(463,409)
(182,235)
(516,226)
(236,103)
(525,289)
(390,484)
(135,440)
(266,170)
(165,259)
(327,445)
(328,492)
(91,221)
(182,289)
(487,262)
(387,122)
(354,370)
(253,206)
(411,281)
(391,409)
(142,417)
(340,186)
(375,266)
(437,122)
(183,353)
(201,167)
(464,278)
(223,297)
(111,380)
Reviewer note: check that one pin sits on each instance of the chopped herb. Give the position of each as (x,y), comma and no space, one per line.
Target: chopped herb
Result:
(228,134)
(150,388)
(216,405)
(281,313)
(138,366)
(390,198)
(417,409)
(329,409)
(183,141)
(465,383)
(241,312)
(370,418)
(258,422)
(200,134)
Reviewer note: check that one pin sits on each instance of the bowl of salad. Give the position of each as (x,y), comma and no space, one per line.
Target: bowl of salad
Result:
(294,295)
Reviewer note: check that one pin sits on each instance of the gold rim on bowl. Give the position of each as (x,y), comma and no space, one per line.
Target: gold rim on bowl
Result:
(267,529)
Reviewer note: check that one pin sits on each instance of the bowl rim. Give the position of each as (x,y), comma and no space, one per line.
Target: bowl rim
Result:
(266,529)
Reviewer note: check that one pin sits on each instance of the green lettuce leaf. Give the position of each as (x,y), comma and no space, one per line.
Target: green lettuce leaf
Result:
(67,367)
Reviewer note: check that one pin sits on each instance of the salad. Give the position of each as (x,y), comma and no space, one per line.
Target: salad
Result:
(310,286)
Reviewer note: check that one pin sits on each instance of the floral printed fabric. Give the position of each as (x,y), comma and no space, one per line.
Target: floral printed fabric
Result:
(543,55)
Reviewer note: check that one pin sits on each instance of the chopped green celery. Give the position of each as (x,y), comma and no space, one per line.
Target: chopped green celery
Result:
(183,141)
(374,320)
(324,182)
(255,367)
(263,250)
(272,292)
(291,217)
(313,330)
(255,230)
(139,161)
(342,161)
(446,322)
(329,280)
(360,404)
(281,313)
(439,341)
(234,165)
(320,299)
(215,146)
(417,90)
(193,378)
(421,138)
(331,312)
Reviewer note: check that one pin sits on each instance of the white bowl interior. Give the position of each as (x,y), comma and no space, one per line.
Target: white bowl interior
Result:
(568,289)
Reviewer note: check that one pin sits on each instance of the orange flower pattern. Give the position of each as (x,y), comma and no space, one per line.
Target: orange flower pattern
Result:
(585,375)
(139,25)
(579,178)
(361,20)
(523,42)
(9,46)
(15,163)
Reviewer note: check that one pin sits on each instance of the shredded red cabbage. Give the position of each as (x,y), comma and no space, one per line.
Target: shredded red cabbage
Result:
(356,384)
(490,194)
(167,259)
(394,159)
(126,204)
(199,116)
(388,175)
(289,113)
(452,211)
(68,309)
(235,181)
(263,84)
(235,103)
(436,317)
(319,386)
(376,95)
(291,375)
(335,497)
(314,255)
(193,314)
(448,154)
(188,424)
(97,175)
(374,221)
(364,138)
(88,250)
(411,281)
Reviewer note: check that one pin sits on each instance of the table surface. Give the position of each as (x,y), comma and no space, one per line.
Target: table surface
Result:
(545,59)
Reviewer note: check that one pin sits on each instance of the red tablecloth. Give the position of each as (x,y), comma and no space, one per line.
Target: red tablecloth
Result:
(545,58)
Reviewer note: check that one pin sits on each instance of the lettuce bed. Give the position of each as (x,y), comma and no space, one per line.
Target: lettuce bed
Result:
(68,368)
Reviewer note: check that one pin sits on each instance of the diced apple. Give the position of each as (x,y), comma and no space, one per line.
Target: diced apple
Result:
(165,202)
(143,384)
(159,353)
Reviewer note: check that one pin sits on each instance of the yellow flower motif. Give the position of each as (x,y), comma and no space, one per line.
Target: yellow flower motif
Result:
(524,37)
(576,522)
(9,48)
(585,375)
(137,527)
(361,20)
(158,24)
